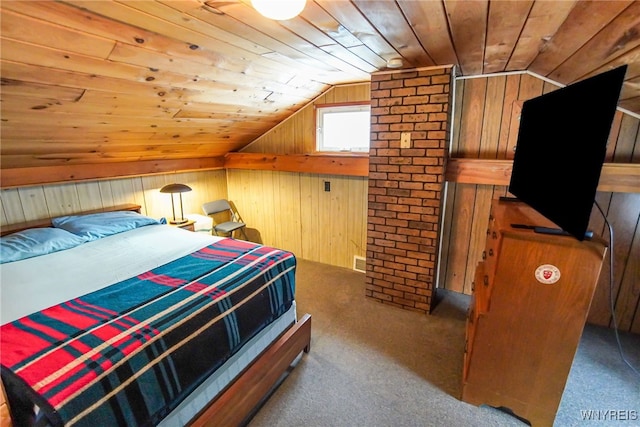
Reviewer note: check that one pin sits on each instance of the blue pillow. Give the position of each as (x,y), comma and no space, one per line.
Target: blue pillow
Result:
(36,241)
(98,225)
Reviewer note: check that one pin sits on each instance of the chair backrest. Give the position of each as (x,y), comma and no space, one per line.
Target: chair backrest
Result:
(226,220)
(216,206)
(221,211)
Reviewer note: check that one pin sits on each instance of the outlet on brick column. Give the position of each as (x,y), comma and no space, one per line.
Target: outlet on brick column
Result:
(405,140)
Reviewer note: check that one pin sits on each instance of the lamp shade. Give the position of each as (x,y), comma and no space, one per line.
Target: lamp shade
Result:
(172,189)
(175,188)
(279,9)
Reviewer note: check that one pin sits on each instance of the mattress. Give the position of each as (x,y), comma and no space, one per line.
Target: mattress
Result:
(110,260)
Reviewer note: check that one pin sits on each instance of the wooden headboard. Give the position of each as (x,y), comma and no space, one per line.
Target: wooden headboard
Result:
(39,223)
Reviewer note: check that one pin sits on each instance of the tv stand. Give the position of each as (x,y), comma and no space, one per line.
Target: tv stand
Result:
(531,297)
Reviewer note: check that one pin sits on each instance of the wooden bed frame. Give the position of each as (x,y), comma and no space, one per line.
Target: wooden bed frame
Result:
(238,402)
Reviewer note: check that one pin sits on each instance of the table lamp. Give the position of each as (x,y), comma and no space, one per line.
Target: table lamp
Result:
(172,189)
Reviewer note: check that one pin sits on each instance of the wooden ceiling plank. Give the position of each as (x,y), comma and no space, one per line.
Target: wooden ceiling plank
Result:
(233,117)
(541,25)
(325,42)
(105,147)
(347,55)
(631,104)
(302,47)
(91,23)
(357,24)
(92,99)
(506,21)
(115,138)
(13,50)
(81,18)
(618,38)
(75,122)
(429,22)
(468,24)
(218,108)
(48,76)
(222,53)
(181,79)
(183,49)
(183,24)
(584,21)
(287,58)
(36,31)
(247,63)
(19,105)
(387,17)
(120,100)
(13,70)
(39,91)
(144,58)
(323,21)
(368,55)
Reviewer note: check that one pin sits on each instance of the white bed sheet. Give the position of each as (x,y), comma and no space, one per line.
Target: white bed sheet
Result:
(37,283)
(34,284)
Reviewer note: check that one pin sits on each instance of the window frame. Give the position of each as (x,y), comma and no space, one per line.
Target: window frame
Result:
(319,109)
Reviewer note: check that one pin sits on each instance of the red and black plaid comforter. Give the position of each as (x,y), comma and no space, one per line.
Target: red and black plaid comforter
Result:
(129,353)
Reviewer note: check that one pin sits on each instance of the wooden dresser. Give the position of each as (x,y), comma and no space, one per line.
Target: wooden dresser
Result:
(532,293)
(5,417)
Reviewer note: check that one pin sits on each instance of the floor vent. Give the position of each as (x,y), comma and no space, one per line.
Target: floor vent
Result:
(359,264)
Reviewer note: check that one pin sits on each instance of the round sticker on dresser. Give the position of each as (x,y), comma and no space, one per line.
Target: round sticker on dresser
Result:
(547,274)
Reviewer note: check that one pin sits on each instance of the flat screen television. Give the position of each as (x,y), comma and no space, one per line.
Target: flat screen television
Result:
(561,147)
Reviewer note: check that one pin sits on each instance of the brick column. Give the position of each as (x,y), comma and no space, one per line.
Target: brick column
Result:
(405,184)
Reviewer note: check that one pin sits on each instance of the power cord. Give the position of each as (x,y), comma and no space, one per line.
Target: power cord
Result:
(612,305)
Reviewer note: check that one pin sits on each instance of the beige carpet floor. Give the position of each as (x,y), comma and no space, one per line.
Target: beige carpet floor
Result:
(372,364)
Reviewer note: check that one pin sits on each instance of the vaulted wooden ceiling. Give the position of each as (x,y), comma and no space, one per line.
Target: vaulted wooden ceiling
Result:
(100,81)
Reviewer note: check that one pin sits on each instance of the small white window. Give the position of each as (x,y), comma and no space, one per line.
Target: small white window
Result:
(343,128)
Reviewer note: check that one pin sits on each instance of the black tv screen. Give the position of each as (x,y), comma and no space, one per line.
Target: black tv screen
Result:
(561,147)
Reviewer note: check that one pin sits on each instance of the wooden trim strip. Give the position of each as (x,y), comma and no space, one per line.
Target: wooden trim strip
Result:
(478,171)
(620,178)
(22,177)
(615,177)
(328,164)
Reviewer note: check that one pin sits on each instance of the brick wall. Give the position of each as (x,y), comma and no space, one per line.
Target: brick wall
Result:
(405,184)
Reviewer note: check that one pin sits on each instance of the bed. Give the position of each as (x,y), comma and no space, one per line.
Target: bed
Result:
(154,325)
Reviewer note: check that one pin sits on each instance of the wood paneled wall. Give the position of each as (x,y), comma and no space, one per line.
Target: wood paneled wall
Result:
(293,211)
(486,124)
(48,201)
(297,134)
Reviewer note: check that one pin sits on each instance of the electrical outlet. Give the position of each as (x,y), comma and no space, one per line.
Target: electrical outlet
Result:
(405,140)
(327,186)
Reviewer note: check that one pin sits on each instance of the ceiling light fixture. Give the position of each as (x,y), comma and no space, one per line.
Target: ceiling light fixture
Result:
(394,63)
(279,9)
